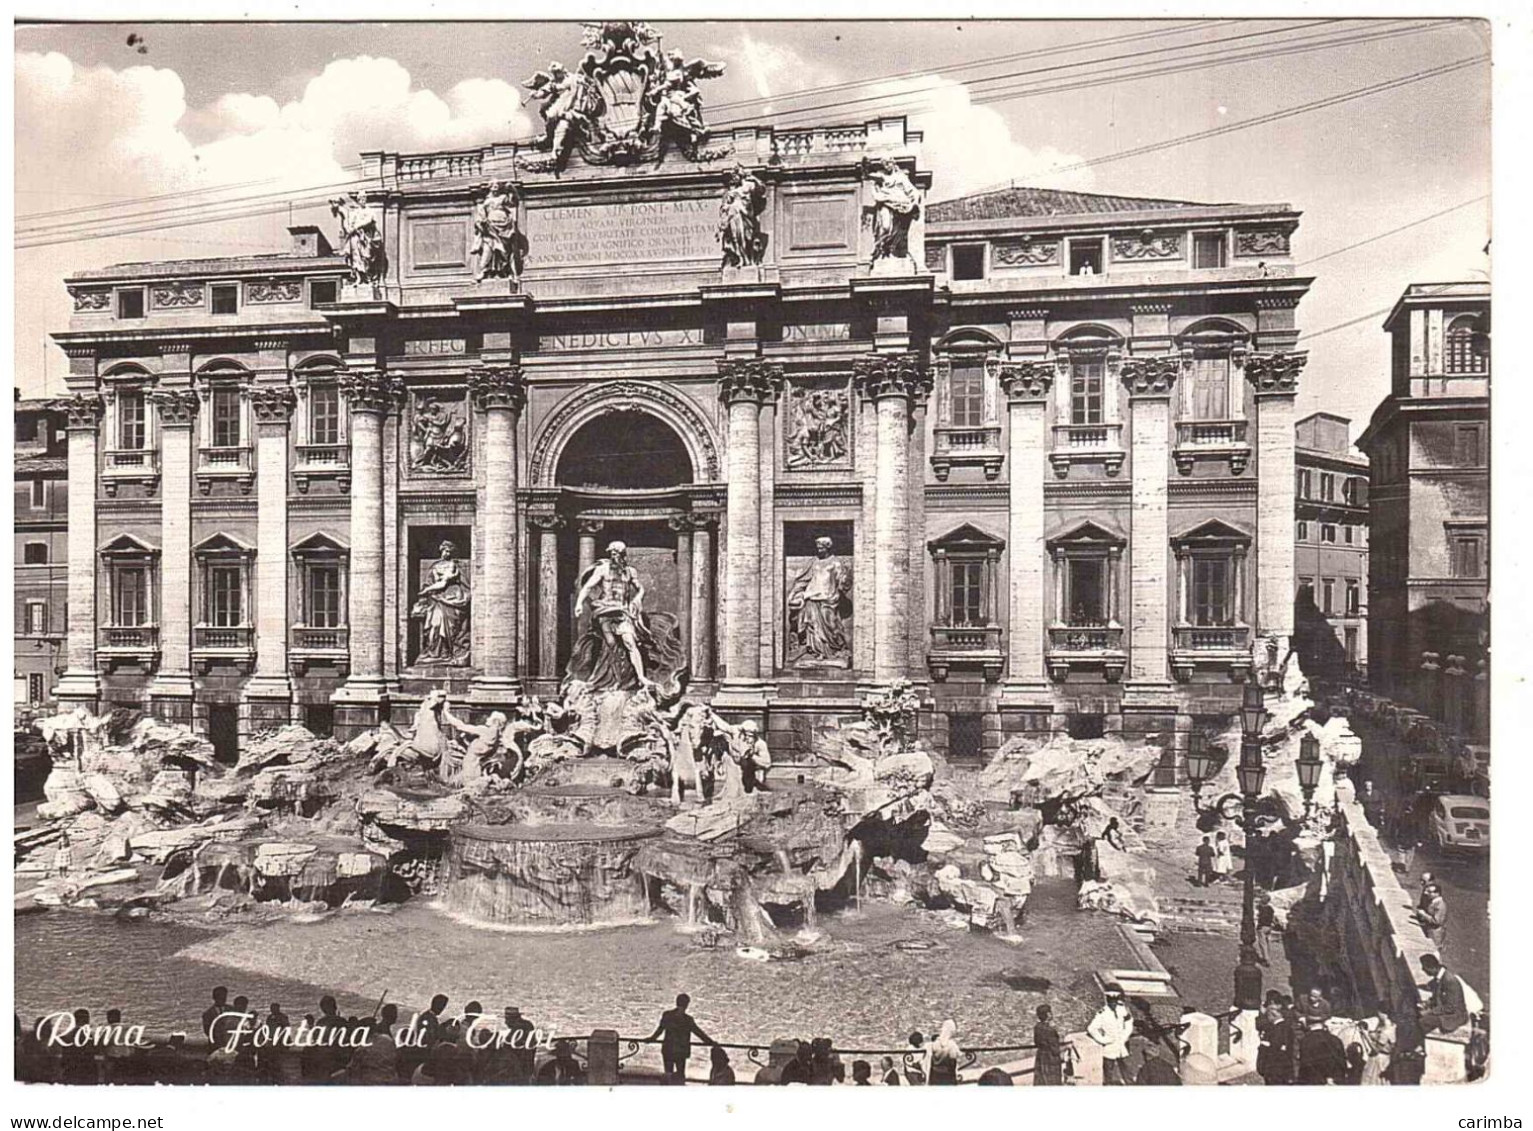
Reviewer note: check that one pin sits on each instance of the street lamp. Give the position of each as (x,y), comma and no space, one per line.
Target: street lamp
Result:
(1310,767)
(1251,774)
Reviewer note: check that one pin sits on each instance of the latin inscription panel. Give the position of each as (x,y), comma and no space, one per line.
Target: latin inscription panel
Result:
(645,231)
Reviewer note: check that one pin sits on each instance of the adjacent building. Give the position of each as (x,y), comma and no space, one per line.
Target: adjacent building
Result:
(1330,549)
(1049,437)
(1428,446)
(41,587)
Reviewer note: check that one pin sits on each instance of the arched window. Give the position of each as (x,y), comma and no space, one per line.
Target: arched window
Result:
(1467,350)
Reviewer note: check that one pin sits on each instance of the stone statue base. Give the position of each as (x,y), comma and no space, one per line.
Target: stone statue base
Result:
(731,276)
(893,268)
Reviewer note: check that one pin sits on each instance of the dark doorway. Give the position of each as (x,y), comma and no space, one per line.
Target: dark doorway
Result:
(319,718)
(625,449)
(1087,726)
(224,731)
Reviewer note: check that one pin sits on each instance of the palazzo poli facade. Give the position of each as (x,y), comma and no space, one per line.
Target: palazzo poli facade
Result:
(1049,437)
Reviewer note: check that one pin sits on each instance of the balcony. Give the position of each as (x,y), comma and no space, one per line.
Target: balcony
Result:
(322,461)
(1193,646)
(1087,443)
(216,644)
(976,446)
(232,464)
(1211,439)
(309,645)
(1086,646)
(965,646)
(130,465)
(127,644)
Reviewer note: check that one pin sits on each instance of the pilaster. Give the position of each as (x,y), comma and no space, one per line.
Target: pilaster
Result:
(1026,384)
(170,692)
(1274,379)
(268,694)
(1149,382)
(80,686)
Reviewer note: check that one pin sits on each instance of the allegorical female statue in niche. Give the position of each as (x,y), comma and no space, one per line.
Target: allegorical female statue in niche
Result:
(443,611)
(815,603)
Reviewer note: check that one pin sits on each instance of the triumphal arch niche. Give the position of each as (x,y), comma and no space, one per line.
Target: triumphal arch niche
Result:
(701,343)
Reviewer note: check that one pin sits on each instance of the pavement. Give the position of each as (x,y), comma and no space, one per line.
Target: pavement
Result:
(1464,877)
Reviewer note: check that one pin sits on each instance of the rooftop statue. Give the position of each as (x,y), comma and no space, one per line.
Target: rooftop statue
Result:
(361,239)
(499,245)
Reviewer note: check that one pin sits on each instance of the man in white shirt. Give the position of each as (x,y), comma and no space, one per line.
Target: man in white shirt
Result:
(1111,1028)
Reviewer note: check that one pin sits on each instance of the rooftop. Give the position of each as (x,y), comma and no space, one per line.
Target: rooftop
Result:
(1020,200)
(1439,294)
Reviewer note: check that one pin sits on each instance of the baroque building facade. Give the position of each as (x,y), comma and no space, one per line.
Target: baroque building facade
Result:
(1428,447)
(1330,549)
(1032,451)
(41,496)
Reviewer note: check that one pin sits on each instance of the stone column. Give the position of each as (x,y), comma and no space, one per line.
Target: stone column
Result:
(170,693)
(702,599)
(501,393)
(1149,381)
(80,686)
(683,525)
(1026,384)
(891,382)
(745,386)
(548,527)
(269,693)
(589,529)
(1274,379)
(371,395)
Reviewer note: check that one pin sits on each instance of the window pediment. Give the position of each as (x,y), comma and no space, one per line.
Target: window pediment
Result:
(1213,534)
(966,539)
(1087,534)
(126,546)
(320,545)
(223,546)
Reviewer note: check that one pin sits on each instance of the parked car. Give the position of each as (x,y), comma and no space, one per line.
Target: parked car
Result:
(1460,820)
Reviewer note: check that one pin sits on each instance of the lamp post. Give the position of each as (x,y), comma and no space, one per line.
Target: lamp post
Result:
(1251,773)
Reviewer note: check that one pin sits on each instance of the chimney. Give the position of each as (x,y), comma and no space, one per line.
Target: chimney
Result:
(309,242)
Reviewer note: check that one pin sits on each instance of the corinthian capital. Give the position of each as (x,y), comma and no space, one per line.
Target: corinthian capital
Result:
(1027,380)
(1150,376)
(1275,373)
(498,386)
(176,406)
(272,404)
(749,379)
(83,410)
(371,390)
(891,375)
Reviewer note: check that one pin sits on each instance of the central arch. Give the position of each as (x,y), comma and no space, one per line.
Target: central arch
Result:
(625,449)
(625,398)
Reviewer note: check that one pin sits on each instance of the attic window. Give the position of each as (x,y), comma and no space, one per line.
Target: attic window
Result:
(969,261)
(226,298)
(322,291)
(1086,257)
(1208,249)
(130,303)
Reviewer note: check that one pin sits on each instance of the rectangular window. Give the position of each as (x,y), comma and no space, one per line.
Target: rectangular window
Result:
(1208,249)
(1327,487)
(1328,596)
(226,298)
(130,303)
(1086,257)
(1351,645)
(1346,533)
(966,738)
(1302,533)
(966,393)
(1466,445)
(1305,483)
(37,618)
(322,292)
(34,553)
(39,494)
(1354,597)
(969,261)
(1086,392)
(131,600)
(226,417)
(225,592)
(1307,583)
(1468,552)
(324,414)
(130,420)
(1209,391)
(26,429)
(325,596)
(1086,591)
(35,687)
(968,577)
(1327,532)
(1211,591)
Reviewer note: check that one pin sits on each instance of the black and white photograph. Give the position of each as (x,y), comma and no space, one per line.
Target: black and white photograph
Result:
(808,549)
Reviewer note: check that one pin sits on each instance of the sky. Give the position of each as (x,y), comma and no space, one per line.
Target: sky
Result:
(275,108)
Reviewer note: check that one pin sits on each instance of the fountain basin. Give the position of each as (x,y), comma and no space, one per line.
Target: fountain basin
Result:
(547,875)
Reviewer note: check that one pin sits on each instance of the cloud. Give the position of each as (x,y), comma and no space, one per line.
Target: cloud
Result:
(774,70)
(969,147)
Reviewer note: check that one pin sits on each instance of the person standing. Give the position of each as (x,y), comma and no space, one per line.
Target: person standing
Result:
(917,1060)
(675,1031)
(944,1055)
(1156,1069)
(1433,915)
(890,1074)
(1048,1064)
(1378,1035)
(217,1009)
(1266,926)
(1224,857)
(1322,1058)
(1205,854)
(720,1072)
(1111,1029)
(1274,1031)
